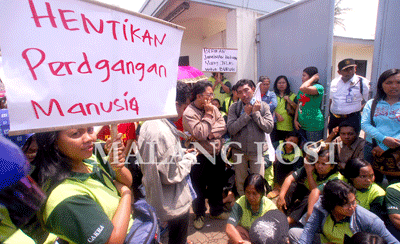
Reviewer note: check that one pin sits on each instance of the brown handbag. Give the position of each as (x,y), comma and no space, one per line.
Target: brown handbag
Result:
(290,110)
(388,163)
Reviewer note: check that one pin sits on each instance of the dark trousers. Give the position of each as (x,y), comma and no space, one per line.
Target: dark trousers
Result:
(281,170)
(207,180)
(353,119)
(178,229)
(281,135)
(297,200)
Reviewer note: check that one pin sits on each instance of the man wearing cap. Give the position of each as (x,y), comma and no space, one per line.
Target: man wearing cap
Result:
(348,94)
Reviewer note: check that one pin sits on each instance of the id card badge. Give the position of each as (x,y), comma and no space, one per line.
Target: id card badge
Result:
(349,98)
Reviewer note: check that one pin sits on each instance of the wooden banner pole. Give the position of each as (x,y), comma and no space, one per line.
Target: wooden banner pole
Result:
(113,131)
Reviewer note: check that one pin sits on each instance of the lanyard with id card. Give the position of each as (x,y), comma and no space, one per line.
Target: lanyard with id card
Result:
(349,97)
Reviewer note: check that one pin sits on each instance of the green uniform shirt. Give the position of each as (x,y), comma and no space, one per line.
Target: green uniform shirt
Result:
(81,208)
(287,123)
(373,195)
(227,103)
(219,93)
(19,237)
(334,231)
(243,215)
(310,116)
(301,176)
(288,157)
(7,227)
(393,199)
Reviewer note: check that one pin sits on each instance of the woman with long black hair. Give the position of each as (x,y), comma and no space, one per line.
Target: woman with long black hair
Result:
(89,200)
(286,107)
(382,129)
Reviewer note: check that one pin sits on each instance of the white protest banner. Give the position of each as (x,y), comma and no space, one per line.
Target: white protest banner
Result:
(70,62)
(219,60)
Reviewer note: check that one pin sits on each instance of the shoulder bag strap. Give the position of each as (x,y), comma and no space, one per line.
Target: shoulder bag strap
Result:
(373,108)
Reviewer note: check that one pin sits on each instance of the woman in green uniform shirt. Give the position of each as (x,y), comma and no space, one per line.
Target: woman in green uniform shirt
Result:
(88,201)
(293,197)
(337,214)
(285,108)
(252,205)
(359,173)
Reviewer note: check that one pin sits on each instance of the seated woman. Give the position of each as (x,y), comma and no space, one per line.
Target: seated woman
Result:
(252,205)
(88,199)
(294,193)
(337,214)
(359,173)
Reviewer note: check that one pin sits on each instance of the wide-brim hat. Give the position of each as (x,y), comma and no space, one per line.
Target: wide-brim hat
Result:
(345,63)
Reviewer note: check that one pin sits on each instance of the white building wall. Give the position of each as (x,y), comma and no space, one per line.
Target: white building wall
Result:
(231,40)
(358,52)
(193,41)
(241,34)
(246,40)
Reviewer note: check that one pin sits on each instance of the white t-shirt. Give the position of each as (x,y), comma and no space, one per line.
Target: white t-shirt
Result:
(346,96)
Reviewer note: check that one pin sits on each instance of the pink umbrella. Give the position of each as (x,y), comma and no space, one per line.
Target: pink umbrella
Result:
(2,89)
(189,74)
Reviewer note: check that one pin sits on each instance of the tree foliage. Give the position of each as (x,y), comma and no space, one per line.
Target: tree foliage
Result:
(338,12)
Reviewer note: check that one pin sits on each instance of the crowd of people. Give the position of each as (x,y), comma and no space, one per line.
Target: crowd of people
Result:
(341,189)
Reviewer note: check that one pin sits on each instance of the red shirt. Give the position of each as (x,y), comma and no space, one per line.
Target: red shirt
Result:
(127,130)
(178,124)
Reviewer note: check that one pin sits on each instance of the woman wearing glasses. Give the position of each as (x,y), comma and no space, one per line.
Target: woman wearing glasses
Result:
(337,214)
(207,126)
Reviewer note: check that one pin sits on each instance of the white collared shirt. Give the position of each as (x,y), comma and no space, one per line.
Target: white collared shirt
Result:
(346,96)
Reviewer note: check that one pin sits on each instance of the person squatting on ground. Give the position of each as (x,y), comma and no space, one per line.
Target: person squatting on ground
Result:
(293,197)
(337,214)
(289,158)
(205,123)
(348,145)
(252,205)
(247,124)
(359,174)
